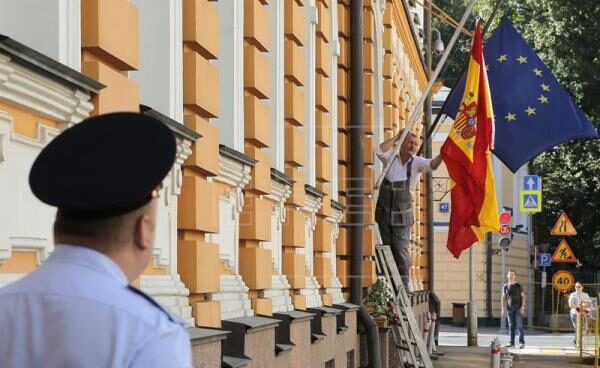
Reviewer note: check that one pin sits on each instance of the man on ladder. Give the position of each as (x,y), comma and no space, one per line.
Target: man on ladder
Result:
(394,213)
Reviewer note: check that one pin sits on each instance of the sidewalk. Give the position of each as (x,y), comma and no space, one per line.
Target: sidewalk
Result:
(542,350)
(478,357)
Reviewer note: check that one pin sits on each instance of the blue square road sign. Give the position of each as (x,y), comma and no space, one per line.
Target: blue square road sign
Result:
(532,182)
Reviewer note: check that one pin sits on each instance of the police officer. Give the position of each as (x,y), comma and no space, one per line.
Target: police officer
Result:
(394,213)
(78,309)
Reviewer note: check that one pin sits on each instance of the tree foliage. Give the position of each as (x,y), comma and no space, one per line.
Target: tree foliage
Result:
(566,36)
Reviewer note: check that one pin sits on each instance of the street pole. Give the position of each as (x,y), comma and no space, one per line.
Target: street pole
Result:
(502,278)
(472,307)
(529,270)
(428,151)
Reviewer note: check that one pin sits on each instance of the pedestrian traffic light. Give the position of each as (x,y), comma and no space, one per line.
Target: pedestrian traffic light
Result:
(505,230)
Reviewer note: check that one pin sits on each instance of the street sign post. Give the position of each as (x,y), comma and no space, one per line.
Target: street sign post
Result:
(545,259)
(543,279)
(563,226)
(530,201)
(532,182)
(563,253)
(563,280)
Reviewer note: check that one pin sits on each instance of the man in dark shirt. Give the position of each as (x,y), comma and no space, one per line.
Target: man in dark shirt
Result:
(513,302)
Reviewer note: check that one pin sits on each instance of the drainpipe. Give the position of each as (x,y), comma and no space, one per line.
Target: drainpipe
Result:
(356,192)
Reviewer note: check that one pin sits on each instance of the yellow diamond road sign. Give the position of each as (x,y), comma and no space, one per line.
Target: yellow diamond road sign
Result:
(530,201)
(563,226)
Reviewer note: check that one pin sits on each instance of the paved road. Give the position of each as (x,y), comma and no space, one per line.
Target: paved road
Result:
(542,349)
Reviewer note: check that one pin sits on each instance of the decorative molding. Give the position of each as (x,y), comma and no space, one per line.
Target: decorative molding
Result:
(15,243)
(171,293)
(312,205)
(336,291)
(311,291)
(233,173)
(279,293)
(279,192)
(5,132)
(48,67)
(41,94)
(233,296)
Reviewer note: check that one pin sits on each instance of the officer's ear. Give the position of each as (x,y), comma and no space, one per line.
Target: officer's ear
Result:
(141,233)
(144,228)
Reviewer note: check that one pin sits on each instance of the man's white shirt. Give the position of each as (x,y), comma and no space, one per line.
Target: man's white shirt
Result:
(398,171)
(76,310)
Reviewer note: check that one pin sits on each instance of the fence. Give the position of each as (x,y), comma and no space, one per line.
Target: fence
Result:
(552,307)
(587,333)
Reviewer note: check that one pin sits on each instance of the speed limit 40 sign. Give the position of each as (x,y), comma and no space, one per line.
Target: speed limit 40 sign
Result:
(563,280)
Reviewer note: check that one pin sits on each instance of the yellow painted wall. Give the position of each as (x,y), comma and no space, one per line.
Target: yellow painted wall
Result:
(20,262)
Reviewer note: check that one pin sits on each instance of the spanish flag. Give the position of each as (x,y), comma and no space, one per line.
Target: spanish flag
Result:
(466,153)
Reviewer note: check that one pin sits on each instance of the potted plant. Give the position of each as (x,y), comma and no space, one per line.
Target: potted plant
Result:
(376,301)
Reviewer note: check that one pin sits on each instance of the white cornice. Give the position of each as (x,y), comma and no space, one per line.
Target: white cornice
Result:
(279,191)
(311,203)
(44,96)
(336,215)
(233,173)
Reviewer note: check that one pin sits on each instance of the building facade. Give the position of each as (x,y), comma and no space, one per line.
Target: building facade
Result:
(252,231)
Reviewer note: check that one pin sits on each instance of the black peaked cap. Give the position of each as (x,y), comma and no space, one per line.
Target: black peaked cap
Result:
(105,165)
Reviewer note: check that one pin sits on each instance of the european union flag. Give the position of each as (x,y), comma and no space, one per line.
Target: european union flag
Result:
(532,111)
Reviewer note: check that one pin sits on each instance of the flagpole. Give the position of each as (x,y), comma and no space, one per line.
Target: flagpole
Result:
(472,306)
(438,116)
(419,105)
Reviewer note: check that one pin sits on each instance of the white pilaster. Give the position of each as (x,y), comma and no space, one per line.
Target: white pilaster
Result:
(334,46)
(279,291)
(311,289)
(276,102)
(379,10)
(237,176)
(336,289)
(311,20)
(233,293)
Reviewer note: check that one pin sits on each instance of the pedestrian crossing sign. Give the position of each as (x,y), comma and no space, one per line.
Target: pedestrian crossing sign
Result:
(563,226)
(563,253)
(530,201)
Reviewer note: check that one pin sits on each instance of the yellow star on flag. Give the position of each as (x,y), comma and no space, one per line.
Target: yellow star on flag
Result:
(543,99)
(530,111)
(537,72)
(510,117)
(545,87)
(502,58)
(522,59)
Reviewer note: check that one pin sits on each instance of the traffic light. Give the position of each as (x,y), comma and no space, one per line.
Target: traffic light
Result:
(505,230)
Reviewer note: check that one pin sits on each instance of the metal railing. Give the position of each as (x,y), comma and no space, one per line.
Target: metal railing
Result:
(587,338)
